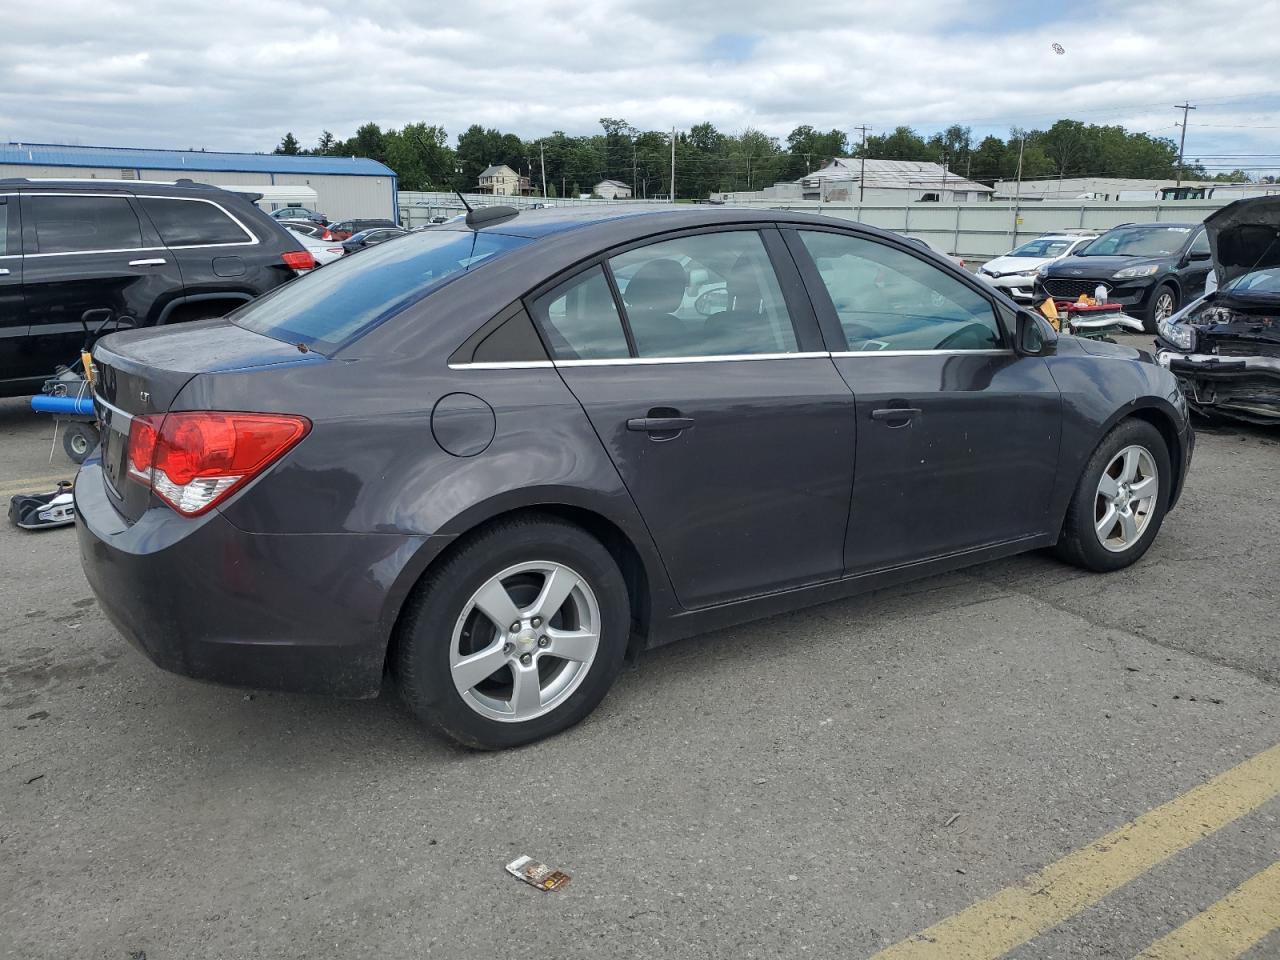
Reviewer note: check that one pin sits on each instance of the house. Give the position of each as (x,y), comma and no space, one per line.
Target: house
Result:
(889,181)
(500,179)
(612,190)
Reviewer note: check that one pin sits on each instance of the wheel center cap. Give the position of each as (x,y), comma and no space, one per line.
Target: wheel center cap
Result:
(527,639)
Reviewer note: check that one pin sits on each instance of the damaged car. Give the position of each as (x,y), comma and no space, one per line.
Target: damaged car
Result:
(1224,348)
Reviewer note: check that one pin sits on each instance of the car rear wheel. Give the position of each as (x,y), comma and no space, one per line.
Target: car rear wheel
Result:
(518,635)
(1120,500)
(1164,303)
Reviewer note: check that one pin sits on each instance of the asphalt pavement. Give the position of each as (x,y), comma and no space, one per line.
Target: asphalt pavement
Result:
(1018,759)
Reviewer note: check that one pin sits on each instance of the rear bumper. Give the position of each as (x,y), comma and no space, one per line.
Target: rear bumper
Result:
(1247,388)
(301,612)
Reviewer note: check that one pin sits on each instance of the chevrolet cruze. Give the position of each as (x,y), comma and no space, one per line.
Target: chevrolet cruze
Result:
(492,457)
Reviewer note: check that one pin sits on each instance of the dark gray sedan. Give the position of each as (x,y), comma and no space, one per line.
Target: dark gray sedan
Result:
(493,456)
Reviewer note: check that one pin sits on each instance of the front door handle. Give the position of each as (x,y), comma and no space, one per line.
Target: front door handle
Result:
(660,424)
(154,262)
(902,415)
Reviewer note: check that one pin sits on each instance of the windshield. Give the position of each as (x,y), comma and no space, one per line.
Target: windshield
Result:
(1259,281)
(1151,241)
(344,299)
(1042,249)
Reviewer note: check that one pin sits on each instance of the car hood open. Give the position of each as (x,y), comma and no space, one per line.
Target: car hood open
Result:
(1244,236)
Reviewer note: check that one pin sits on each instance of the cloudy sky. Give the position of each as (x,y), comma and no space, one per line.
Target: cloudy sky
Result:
(238,73)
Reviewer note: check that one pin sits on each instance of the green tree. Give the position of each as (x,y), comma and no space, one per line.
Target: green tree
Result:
(808,149)
(289,146)
(902,144)
(326,143)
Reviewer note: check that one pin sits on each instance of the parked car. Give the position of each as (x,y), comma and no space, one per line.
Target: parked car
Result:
(1224,348)
(1015,272)
(300,213)
(150,253)
(308,228)
(324,251)
(343,229)
(371,238)
(1148,268)
(467,457)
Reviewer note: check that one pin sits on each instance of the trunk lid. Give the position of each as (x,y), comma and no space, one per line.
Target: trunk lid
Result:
(142,372)
(1244,236)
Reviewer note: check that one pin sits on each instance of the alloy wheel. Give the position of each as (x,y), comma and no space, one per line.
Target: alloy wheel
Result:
(1164,305)
(525,641)
(1126,498)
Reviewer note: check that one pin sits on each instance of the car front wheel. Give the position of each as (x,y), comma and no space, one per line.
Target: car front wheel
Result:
(1120,499)
(517,636)
(1164,304)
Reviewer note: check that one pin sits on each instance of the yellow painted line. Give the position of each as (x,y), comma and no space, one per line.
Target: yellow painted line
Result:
(993,927)
(1230,927)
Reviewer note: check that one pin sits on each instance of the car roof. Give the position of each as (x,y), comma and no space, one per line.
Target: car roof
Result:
(176,188)
(621,219)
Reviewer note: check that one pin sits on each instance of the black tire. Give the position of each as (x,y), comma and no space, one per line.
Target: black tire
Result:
(1079,543)
(1165,290)
(420,664)
(78,441)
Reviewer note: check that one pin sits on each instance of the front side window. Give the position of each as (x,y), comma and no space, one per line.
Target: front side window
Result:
(328,307)
(1201,243)
(192,223)
(581,319)
(711,294)
(69,224)
(888,299)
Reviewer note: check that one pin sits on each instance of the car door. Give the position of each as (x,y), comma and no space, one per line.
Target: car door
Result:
(14,362)
(1194,266)
(208,243)
(718,404)
(89,252)
(957,436)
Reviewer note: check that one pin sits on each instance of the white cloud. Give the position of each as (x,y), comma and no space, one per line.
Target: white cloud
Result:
(237,75)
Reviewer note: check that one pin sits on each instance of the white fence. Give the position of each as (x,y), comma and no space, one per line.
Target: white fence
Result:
(976,231)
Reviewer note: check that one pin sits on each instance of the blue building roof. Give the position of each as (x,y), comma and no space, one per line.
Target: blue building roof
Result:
(60,155)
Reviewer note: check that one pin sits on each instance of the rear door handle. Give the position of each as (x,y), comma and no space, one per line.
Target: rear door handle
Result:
(155,262)
(895,413)
(660,424)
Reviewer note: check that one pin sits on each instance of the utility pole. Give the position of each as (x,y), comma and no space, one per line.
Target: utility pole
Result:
(634,185)
(672,198)
(1017,190)
(1185,108)
(542,159)
(862,174)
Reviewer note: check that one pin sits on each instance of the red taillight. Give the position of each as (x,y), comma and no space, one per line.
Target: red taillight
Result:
(198,458)
(299,260)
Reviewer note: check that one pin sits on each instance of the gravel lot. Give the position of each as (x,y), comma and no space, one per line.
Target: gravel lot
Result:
(823,784)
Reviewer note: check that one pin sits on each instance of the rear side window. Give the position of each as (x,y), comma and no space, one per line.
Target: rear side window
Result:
(192,223)
(328,307)
(706,295)
(888,299)
(4,229)
(581,319)
(69,224)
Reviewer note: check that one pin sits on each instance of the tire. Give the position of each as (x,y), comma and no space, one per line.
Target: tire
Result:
(78,441)
(1163,297)
(443,633)
(1082,542)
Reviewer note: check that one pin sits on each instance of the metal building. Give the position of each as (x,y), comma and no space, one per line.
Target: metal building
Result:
(345,186)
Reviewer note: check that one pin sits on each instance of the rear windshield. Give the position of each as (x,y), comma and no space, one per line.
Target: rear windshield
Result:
(337,303)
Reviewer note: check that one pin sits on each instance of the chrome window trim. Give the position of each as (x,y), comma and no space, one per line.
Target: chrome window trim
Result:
(116,411)
(726,358)
(253,240)
(645,361)
(1002,352)
(504,365)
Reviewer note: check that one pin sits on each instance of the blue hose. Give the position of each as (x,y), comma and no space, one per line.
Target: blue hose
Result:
(66,406)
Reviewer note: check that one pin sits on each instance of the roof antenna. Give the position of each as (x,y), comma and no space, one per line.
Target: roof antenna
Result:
(459,195)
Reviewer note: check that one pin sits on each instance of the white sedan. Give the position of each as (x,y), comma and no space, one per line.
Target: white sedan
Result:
(1015,272)
(324,251)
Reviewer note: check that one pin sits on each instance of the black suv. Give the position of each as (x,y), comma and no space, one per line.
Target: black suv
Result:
(1149,268)
(151,253)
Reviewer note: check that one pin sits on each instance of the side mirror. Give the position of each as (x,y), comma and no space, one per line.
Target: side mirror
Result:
(1195,255)
(1032,337)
